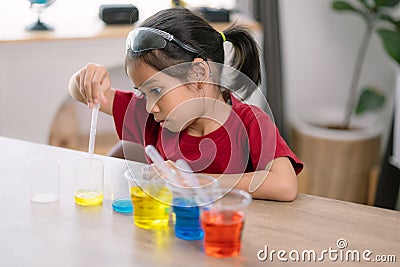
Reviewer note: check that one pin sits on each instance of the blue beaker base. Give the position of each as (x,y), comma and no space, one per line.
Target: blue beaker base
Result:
(123,205)
(189,235)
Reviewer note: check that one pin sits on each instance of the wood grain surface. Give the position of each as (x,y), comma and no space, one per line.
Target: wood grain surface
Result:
(63,234)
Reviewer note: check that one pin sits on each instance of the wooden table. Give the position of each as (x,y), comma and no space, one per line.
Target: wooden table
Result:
(63,234)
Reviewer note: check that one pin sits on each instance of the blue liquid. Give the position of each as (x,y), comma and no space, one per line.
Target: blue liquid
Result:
(38,1)
(187,221)
(123,205)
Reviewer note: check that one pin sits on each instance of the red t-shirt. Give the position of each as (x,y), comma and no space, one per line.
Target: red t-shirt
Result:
(246,142)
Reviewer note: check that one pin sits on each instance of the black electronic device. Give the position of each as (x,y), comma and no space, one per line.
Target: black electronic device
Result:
(119,14)
(215,14)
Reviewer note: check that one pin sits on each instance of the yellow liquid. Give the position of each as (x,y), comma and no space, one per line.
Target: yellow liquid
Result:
(149,212)
(88,197)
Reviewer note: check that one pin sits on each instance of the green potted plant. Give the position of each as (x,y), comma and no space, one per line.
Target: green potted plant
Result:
(338,154)
(374,13)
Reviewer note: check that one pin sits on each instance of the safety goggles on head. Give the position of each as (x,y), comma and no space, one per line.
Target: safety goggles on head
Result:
(144,38)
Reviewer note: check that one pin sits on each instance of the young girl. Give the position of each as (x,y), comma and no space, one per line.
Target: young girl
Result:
(174,60)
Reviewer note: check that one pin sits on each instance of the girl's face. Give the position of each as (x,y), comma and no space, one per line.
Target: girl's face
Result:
(174,104)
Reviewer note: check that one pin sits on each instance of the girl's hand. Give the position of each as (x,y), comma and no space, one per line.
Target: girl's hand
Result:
(153,171)
(90,84)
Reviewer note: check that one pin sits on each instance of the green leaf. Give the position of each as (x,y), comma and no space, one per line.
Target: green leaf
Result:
(365,4)
(391,42)
(386,3)
(370,99)
(344,6)
(388,18)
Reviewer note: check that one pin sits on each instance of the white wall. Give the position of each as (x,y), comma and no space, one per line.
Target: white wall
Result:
(34,79)
(319,48)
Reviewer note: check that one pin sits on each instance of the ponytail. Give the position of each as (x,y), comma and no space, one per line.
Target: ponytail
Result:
(246,57)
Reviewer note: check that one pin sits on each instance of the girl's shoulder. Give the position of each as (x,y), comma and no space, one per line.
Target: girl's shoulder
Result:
(248,112)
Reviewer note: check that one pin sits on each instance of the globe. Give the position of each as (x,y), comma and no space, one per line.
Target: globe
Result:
(39,6)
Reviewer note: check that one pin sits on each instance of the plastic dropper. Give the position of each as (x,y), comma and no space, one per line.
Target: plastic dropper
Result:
(92,138)
(170,174)
(93,126)
(189,177)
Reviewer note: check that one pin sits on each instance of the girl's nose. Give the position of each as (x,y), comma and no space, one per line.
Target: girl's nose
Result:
(152,107)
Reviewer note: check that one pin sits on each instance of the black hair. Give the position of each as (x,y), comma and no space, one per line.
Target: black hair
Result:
(193,30)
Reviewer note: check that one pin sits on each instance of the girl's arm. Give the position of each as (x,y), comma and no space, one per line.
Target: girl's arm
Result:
(92,85)
(279,183)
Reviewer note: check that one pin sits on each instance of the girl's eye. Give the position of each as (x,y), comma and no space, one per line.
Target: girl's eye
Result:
(156,90)
(137,92)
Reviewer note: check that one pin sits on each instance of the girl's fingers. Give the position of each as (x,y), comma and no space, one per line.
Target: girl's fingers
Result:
(171,164)
(96,81)
(102,85)
(105,87)
(82,90)
(158,172)
(151,172)
(87,85)
(92,82)
(96,88)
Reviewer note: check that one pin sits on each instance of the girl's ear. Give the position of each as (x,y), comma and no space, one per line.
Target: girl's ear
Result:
(199,70)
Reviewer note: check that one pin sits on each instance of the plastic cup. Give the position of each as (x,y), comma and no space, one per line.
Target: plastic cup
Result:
(222,221)
(150,198)
(89,181)
(186,204)
(44,179)
(121,198)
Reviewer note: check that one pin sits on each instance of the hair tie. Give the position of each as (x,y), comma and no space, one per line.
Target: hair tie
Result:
(223,36)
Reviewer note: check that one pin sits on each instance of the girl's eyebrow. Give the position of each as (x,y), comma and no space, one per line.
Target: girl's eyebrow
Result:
(147,83)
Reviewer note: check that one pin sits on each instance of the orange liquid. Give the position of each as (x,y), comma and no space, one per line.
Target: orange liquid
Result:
(222,232)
